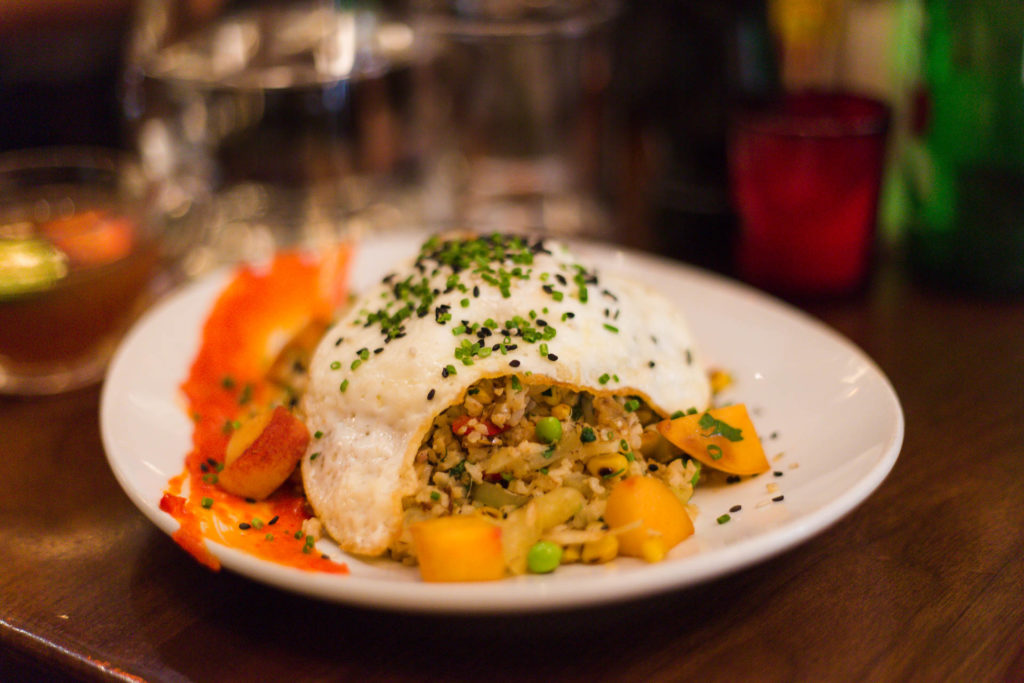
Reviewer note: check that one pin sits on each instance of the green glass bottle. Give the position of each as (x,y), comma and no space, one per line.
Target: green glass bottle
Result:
(966,154)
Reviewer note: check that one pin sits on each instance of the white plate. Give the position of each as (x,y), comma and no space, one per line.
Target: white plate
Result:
(815,398)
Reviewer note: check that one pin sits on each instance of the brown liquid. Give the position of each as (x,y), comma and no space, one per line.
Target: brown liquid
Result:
(80,314)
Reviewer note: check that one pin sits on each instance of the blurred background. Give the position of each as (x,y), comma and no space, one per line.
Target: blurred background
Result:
(668,87)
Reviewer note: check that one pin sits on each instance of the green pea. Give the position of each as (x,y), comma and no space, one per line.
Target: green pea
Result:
(549,429)
(544,557)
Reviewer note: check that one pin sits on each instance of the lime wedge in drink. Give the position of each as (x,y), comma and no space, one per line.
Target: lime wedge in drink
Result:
(29,265)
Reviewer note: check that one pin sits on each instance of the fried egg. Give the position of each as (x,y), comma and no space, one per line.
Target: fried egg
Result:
(465,309)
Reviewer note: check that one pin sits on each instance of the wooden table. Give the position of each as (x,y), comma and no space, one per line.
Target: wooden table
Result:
(924,581)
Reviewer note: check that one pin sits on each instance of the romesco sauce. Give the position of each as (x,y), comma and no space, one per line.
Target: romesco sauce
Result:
(258,311)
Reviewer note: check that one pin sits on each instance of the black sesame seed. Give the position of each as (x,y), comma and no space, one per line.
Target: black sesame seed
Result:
(552,356)
(476,290)
(250,500)
(204,467)
(244,525)
(541,322)
(561,279)
(273,520)
(650,363)
(496,347)
(778,499)
(773,435)
(512,347)
(653,467)
(444,371)
(514,363)
(378,349)
(776,473)
(735,508)
(430,395)
(732,479)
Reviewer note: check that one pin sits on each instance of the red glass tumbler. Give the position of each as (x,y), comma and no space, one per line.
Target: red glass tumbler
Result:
(805,176)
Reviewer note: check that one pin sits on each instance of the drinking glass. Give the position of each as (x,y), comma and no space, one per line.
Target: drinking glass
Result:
(514,111)
(805,176)
(269,123)
(79,259)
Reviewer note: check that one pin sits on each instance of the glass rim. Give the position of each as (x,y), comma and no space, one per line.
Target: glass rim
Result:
(436,23)
(89,157)
(783,117)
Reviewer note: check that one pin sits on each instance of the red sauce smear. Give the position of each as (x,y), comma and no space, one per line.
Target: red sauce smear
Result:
(260,309)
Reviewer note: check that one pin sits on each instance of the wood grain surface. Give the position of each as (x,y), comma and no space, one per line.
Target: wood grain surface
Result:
(923,582)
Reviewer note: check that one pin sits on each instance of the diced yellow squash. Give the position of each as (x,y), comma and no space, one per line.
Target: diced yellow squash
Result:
(459,548)
(722,438)
(650,510)
(525,525)
(262,454)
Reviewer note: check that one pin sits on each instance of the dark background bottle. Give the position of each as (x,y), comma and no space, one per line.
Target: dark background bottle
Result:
(682,69)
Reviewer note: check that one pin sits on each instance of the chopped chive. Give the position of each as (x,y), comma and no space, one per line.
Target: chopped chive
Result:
(207,503)
(723,518)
